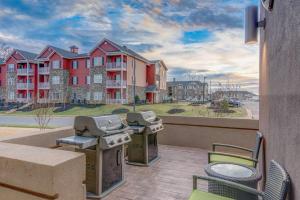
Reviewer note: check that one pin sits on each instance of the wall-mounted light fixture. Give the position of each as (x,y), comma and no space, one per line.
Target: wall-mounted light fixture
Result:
(252,24)
(268,4)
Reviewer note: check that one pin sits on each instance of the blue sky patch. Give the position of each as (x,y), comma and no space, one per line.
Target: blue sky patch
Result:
(196,36)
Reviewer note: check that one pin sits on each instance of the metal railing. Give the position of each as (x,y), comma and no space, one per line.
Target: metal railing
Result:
(115,65)
(44,85)
(26,86)
(116,83)
(24,71)
(116,101)
(44,70)
(23,99)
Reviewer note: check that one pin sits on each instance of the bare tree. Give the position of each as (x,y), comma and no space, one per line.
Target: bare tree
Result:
(44,114)
(5,50)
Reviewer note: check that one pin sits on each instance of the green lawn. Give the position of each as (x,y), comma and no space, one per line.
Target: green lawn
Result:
(160,109)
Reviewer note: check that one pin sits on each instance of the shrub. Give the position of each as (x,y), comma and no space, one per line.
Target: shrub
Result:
(137,99)
(176,110)
(120,111)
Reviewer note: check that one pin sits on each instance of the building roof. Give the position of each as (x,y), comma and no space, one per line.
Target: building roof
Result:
(123,49)
(173,83)
(27,55)
(159,61)
(68,54)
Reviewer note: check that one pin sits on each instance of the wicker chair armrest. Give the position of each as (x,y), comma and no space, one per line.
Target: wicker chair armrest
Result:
(230,146)
(227,183)
(232,155)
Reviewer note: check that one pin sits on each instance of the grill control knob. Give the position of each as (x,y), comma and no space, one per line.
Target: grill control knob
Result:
(111,143)
(120,140)
(126,138)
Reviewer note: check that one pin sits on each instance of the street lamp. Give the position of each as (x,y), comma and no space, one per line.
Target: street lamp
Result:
(203,89)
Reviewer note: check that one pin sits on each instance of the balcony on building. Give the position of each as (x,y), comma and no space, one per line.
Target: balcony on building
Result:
(25,86)
(22,98)
(116,66)
(116,83)
(116,101)
(24,71)
(44,70)
(44,85)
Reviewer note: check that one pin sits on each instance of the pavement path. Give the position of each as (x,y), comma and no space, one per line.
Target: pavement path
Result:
(253,108)
(30,121)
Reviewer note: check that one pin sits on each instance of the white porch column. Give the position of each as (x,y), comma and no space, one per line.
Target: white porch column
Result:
(27,81)
(122,78)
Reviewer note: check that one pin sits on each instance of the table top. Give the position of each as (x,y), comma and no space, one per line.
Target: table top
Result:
(232,171)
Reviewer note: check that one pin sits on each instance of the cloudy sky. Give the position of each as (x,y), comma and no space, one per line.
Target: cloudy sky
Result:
(195,38)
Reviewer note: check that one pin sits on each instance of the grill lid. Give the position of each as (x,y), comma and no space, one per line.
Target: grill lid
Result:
(145,118)
(98,126)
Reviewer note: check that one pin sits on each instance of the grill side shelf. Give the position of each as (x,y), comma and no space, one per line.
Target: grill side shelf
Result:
(79,141)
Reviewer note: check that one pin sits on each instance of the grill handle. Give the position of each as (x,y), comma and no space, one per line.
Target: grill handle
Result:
(119,155)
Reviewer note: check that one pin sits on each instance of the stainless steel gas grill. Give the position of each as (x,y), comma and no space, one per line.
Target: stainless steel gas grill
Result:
(102,140)
(143,149)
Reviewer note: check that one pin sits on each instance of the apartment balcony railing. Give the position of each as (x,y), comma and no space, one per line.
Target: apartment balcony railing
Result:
(23,99)
(44,70)
(24,71)
(116,83)
(25,86)
(115,66)
(44,85)
(116,101)
(43,100)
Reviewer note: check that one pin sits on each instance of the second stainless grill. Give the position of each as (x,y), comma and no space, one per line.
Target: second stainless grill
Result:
(143,149)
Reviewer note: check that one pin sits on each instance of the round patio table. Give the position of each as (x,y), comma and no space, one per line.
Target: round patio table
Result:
(241,174)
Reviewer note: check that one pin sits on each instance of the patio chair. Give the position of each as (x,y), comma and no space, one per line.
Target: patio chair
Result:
(277,186)
(216,156)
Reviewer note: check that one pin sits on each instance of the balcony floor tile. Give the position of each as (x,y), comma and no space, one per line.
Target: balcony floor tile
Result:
(170,178)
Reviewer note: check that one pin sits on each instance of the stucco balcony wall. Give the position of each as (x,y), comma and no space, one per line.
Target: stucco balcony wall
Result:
(203,132)
(34,173)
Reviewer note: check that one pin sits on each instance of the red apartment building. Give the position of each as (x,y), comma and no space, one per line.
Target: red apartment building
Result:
(104,75)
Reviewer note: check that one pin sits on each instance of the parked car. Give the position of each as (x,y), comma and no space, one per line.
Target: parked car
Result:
(234,102)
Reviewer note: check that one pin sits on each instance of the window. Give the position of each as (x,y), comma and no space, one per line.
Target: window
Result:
(55,80)
(88,80)
(11,81)
(11,95)
(55,64)
(11,67)
(56,96)
(98,78)
(88,63)
(74,64)
(88,96)
(98,61)
(97,96)
(74,80)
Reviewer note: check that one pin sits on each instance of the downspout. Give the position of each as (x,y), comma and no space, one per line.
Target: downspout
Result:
(134,83)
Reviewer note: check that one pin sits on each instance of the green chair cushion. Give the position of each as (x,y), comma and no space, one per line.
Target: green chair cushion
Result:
(200,195)
(227,158)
